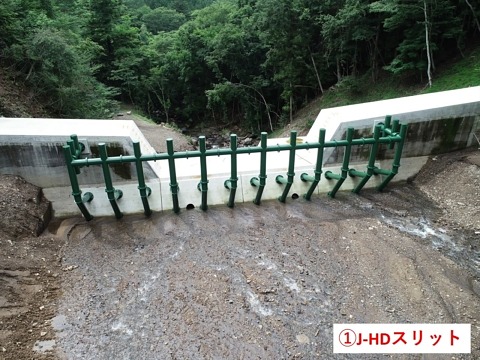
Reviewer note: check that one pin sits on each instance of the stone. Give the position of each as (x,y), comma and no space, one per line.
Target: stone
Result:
(303,339)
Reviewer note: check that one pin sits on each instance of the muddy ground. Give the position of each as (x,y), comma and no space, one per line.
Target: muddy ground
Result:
(254,282)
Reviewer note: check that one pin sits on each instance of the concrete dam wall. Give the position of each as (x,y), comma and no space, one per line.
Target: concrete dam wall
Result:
(33,149)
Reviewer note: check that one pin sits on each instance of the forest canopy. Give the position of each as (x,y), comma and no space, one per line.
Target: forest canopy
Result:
(254,62)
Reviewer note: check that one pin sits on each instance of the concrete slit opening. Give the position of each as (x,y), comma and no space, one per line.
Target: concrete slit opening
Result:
(294,196)
(190,207)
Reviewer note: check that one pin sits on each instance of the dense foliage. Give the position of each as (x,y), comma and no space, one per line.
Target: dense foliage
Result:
(248,61)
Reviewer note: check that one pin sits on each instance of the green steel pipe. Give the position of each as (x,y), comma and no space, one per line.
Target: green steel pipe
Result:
(71,145)
(346,160)
(223,152)
(371,162)
(262,178)
(291,166)
(356,173)
(143,189)
(387,124)
(255,181)
(232,183)
(112,194)
(76,192)
(318,166)
(203,172)
(396,158)
(385,172)
(395,129)
(173,176)
(307,178)
(332,176)
(279,179)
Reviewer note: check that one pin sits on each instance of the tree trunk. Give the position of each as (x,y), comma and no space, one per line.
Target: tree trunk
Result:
(316,72)
(427,41)
(339,73)
(473,13)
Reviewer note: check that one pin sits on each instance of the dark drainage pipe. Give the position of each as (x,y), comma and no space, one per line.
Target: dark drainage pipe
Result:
(143,189)
(76,192)
(112,193)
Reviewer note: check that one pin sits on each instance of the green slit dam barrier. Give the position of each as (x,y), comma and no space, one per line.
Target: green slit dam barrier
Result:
(389,132)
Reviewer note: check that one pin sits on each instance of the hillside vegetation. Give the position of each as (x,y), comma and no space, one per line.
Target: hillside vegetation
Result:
(252,63)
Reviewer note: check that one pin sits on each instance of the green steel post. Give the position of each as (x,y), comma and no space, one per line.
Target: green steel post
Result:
(396,158)
(232,183)
(76,192)
(387,124)
(318,166)
(346,160)
(173,176)
(76,145)
(395,128)
(71,145)
(371,162)
(291,167)
(144,190)
(203,185)
(112,194)
(263,169)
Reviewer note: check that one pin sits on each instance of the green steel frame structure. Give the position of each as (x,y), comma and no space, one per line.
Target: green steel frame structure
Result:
(389,132)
